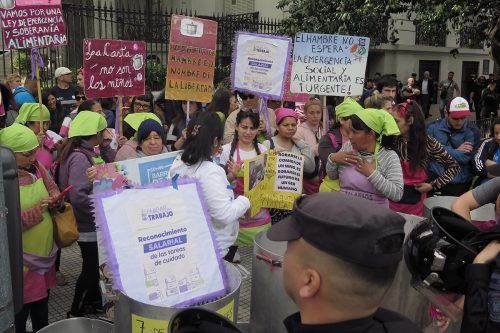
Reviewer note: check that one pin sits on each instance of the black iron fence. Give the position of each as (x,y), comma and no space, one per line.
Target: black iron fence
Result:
(130,22)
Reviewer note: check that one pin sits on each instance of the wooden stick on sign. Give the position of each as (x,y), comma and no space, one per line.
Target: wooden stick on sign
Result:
(39,91)
(325,115)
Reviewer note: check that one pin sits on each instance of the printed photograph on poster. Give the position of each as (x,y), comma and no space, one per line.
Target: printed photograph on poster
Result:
(31,26)
(259,64)
(273,180)
(331,65)
(133,172)
(191,59)
(160,245)
(257,171)
(114,68)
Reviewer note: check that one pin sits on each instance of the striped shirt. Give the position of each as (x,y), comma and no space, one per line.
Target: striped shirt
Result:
(436,152)
(387,178)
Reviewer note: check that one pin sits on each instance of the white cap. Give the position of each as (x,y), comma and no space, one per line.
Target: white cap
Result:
(62,71)
(459,108)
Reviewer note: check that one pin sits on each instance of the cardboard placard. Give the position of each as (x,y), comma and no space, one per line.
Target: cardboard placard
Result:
(160,244)
(273,180)
(191,59)
(259,64)
(33,26)
(113,67)
(134,172)
(330,65)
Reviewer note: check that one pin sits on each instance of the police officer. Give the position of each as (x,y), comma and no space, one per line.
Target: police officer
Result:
(341,258)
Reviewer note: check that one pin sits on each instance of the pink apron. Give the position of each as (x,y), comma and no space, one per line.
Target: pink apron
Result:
(355,183)
(249,226)
(411,179)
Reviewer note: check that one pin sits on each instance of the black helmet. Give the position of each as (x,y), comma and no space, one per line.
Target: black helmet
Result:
(198,320)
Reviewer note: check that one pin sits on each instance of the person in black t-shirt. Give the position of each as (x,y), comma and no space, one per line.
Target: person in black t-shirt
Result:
(64,90)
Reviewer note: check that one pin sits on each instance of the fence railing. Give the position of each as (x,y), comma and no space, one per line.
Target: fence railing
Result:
(484,126)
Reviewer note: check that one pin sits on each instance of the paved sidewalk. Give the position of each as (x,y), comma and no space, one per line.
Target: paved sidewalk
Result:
(61,297)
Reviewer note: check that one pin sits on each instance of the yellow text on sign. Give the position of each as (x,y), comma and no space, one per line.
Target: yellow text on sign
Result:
(146,325)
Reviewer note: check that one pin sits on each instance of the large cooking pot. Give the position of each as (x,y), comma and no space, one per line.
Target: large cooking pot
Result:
(134,316)
(79,325)
(269,304)
(483,213)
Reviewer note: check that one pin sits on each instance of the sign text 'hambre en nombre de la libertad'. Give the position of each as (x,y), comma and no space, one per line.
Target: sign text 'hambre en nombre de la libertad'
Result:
(33,26)
(332,65)
(114,67)
(191,59)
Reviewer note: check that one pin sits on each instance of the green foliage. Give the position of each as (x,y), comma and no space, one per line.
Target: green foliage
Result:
(366,17)
(20,62)
(156,73)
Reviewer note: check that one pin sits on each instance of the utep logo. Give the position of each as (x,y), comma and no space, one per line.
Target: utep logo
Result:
(156,213)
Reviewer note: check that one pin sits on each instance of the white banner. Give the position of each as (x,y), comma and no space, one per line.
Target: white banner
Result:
(160,244)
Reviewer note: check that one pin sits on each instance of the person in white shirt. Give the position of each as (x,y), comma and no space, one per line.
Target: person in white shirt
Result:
(203,140)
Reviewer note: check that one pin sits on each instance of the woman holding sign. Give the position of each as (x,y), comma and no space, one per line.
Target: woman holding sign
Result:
(37,190)
(77,156)
(203,139)
(244,147)
(286,127)
(366,165)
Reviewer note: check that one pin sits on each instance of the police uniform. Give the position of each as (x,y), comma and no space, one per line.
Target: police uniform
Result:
(354,230)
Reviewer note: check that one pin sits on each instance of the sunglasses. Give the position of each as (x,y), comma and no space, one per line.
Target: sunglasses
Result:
(244,97)
(80,98)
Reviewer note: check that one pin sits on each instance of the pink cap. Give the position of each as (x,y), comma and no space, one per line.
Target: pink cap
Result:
(283,113)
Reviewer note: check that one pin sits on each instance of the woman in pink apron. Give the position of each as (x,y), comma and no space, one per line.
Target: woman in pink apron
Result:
(366,165)
(311,131)
(30,115)
(37,190)
(243,147)
(415,149)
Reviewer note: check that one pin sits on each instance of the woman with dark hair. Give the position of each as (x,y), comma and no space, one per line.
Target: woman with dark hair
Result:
(56,111)
(335,139)
(203,139)
(8,107)
(415,149)
(488,154)
(243,147)
(176,135)
(76,157)
(220,103)
(367,165)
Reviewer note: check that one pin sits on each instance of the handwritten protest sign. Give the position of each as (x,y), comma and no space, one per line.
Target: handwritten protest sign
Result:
(113,67)
(289,96)
(33,25)
(160,244)
(273,180)
(138,171)
(259,64)
(331,65)
(191,59)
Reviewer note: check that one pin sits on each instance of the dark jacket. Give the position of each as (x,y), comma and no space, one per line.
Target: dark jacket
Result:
(481,311)
(485,152)
(451,140)
(430,87)
(382,321)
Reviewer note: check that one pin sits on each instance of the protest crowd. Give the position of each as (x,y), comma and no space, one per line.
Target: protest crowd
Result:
(362,160)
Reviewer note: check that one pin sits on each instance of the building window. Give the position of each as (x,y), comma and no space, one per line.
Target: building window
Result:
(233,2)
(486,67)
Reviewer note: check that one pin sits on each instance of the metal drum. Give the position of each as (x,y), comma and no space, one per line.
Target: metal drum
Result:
(79,325)
(483,213)
(270,303)
(130,313)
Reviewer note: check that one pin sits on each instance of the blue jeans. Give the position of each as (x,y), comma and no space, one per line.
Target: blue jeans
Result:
(442,104)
